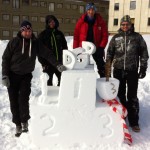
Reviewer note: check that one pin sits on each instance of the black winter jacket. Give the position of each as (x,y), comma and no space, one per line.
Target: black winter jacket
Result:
(126,50)
(19,61)
(55,41)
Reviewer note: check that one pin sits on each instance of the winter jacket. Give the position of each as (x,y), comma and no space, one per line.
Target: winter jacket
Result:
(55,41)
(126,50)
(20,55)
(100,33)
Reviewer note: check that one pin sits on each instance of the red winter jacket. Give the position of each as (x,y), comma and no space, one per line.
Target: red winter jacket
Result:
(99,30)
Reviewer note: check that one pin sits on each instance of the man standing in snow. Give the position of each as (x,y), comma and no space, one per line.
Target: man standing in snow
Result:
(126,50)
(91,27)
(55,40)
(18,62)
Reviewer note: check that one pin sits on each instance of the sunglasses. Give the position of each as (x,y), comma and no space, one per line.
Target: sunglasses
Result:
(125,25)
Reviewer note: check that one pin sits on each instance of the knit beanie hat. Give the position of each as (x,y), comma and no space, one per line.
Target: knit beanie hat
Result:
(25,25)
(90,6)
(125,18)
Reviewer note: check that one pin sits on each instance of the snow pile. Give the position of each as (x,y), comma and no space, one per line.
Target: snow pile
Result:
(25,142)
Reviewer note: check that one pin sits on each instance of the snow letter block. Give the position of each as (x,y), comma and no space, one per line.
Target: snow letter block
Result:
(77,119)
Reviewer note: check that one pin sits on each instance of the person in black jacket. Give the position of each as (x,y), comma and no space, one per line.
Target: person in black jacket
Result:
(18,61)
(127,50)
(53,39)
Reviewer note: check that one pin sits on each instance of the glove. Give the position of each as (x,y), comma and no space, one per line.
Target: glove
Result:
(61,68)
(142,72)
(5,81)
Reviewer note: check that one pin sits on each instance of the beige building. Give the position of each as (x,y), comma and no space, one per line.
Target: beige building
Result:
(13,12)
(139,11)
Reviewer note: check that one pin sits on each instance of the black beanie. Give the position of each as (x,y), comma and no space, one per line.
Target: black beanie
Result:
(25,25)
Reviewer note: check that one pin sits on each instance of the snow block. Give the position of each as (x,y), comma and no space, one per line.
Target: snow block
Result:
(79,116)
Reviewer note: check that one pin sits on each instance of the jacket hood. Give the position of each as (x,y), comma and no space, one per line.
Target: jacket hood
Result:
(51,17)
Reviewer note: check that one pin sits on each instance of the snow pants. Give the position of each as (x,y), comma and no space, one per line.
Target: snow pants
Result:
(99,60)
(19,92)
(50,71)
(128,81)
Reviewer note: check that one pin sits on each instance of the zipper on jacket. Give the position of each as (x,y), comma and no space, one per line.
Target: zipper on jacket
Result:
(55,45)
(125,48)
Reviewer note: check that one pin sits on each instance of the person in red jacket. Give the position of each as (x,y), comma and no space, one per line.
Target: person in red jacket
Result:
(91,27)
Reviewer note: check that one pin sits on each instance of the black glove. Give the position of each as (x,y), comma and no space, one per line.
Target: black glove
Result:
(142,72)
(5,81)
(61,68)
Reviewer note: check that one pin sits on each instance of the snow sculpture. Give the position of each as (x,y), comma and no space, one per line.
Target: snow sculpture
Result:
(77,116)
(107,90)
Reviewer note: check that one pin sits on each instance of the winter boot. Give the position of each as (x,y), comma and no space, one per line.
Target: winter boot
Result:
(135,128)
(18,131)
(24,127)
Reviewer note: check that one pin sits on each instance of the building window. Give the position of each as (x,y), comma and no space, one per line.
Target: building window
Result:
(6,1)
(74,6)
(25,17)
(67,6)
(115,22)
(25,2)
(59,5)
(16,3)
(73,20)
(34,18)
(15,33)
(6,17)
(133,5)
(43,4)
(148,23)
(51,6)
(67,34)
(60,20)
(5,33)
(34,3)
(116,6)
(67,20)
(42,19)
(149,4)
(16,20)
(81,9)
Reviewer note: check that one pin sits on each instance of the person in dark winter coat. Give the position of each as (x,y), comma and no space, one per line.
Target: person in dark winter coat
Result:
(18,61)
(91,27)
(53,39)
(126,51)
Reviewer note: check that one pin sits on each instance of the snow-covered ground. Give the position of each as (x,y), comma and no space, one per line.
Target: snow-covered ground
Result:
(141,141)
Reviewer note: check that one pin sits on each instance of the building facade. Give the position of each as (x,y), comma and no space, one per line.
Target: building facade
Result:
(13,12)
(139,11)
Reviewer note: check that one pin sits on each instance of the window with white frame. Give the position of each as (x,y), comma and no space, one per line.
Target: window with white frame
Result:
(67,20)
(25,17)
(5,33)
(15,33)
(132,5)
(16,20)
(60,20)
(6,1)
(67,6)
(16,3)
(6,17)
(43,4)
(59,5)
(51,7)
(25,2)
(34,3)
(34,18)
(148,21)
(81,9)
(42,19)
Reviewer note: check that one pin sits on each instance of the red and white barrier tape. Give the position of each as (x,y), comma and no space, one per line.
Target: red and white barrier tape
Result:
(120,109)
